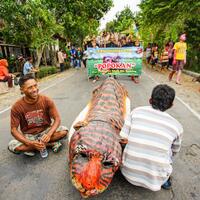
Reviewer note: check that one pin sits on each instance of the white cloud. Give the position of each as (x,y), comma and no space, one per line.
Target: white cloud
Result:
(119,5)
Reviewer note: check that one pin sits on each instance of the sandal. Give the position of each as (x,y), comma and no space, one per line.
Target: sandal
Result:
(30,153)
(56,147)
(12,145)
(167,185)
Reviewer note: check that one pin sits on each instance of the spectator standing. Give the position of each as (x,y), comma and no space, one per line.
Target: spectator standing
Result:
(67,51)
(73,56)
(164,59)
(61,60)
(79,56)
(154,55)
(5,76)
(85,57)
(148,53)
(179,59)
(170,54)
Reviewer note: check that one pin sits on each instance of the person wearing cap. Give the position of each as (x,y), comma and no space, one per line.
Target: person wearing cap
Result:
(179,59)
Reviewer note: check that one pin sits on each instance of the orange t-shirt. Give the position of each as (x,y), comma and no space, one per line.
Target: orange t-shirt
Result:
(33,118)
(3,72)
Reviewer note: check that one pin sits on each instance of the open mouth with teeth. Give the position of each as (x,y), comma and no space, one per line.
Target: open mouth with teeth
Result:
(85,193)
(90,174)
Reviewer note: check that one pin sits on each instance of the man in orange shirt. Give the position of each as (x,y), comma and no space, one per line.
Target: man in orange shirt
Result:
(179,58)
(35,122)
(4,74)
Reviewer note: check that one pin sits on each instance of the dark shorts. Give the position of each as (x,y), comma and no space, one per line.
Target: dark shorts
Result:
(148,59)
(179,65)
(154,61)
(62,67)
(13,144)
(163,64)
(170,61)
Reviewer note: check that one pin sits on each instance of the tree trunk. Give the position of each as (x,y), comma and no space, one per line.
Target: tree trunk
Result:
(45,56)
(53,55)
(39,52)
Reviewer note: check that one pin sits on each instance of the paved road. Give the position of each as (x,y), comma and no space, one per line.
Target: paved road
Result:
(24,178)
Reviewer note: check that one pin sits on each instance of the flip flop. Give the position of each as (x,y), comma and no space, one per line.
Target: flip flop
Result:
(56,147)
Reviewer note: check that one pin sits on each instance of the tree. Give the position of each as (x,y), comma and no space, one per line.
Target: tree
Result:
(35,22)
(79,17)
(124,20)
(31,23)
(161,21)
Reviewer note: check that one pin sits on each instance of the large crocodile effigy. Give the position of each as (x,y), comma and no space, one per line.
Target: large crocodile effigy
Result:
(94,143)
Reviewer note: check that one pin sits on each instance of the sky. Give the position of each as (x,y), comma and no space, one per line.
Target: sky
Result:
(119,5)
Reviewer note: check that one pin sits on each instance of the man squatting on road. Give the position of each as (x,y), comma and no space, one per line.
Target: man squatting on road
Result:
(34,114)
(153,138)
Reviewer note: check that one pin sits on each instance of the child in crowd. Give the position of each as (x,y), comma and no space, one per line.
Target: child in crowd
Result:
(148,53)
(179,59)
(154,55)
(164,57)
(170,54)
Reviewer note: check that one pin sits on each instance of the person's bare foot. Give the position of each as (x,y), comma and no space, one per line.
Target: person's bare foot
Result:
(178,83)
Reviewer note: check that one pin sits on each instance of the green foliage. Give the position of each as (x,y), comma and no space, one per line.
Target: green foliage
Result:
(35,23)
(30,23)
(45,71)
(79,17)
(124,20)
(161,21)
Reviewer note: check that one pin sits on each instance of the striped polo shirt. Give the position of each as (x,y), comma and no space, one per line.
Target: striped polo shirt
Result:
(153,137)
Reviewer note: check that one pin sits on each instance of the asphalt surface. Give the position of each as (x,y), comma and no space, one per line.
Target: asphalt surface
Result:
(34,178)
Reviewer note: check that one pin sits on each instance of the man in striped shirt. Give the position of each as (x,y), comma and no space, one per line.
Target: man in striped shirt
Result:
(154,137)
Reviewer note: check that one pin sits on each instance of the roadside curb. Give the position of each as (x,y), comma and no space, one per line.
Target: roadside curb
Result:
(193,74)
(56,78)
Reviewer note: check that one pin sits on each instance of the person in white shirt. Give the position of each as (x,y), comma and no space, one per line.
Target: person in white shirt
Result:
(153,137)
(61,60)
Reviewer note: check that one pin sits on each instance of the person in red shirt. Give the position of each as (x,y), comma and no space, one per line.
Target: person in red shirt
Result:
(35,122)
(5,76)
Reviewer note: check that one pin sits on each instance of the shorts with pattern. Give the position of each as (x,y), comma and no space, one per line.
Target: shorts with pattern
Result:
(13,144)
(179,65)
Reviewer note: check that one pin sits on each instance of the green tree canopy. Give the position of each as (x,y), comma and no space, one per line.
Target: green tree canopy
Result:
(124,20)
(161,21)
(35,22)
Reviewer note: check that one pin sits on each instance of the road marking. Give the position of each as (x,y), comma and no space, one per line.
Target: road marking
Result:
(44,89)
(2,111)
(50,86)
(195,113)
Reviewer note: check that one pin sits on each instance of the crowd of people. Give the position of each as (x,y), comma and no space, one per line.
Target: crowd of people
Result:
(74,56)
(171,56)
(77,55)
(108,39)
(164,57)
